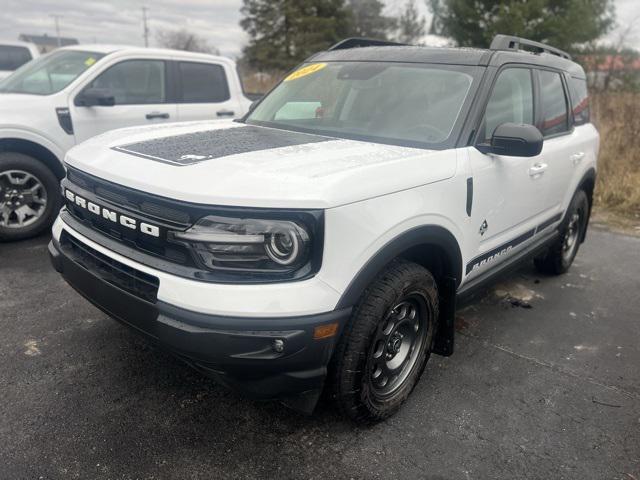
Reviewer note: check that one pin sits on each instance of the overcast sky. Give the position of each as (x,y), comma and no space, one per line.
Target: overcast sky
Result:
(120,21)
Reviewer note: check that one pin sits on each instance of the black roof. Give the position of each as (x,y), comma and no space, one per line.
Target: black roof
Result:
(451,56)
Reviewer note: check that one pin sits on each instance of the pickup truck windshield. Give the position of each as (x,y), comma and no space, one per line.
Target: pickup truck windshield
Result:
(51,73)
(407,104)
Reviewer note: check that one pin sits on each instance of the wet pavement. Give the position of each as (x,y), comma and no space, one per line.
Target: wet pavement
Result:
(544,384)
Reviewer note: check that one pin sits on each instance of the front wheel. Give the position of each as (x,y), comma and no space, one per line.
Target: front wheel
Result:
(386,344)
(559,257)
(29,196)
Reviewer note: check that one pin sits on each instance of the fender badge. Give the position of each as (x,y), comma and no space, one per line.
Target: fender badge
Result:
(483,227)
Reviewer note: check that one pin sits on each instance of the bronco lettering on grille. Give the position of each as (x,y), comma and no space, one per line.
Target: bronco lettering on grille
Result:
(112,215)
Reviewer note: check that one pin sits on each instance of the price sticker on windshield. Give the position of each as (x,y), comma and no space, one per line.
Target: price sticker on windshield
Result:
(89,61)
(304,71)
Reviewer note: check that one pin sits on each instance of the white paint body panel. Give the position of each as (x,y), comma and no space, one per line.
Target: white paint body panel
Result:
(313,175)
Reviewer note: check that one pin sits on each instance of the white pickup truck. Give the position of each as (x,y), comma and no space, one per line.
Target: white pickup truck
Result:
(74,93)
(15,54)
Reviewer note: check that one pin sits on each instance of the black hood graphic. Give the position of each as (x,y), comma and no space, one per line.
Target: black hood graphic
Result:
(192,148)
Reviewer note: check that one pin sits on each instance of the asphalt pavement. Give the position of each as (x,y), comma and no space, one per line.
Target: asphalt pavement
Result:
(544,384)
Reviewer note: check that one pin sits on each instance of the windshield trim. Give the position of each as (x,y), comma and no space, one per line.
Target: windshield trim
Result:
(100,56)
(476,72)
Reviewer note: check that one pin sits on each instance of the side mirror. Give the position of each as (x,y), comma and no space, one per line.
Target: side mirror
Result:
(91,97)
(514,140)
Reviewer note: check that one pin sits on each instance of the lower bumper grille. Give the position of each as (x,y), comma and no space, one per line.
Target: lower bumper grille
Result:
(135,282)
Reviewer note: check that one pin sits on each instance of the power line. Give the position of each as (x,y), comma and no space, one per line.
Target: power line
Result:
(145,28)
(56,19)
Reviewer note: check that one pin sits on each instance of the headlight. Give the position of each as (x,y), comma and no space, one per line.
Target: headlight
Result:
(265,248)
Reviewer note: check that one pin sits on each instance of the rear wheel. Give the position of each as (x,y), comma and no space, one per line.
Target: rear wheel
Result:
(29,196)
(386,344)
(559,257)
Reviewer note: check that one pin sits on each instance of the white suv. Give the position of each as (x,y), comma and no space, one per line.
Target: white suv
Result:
(61,99)
(324,239)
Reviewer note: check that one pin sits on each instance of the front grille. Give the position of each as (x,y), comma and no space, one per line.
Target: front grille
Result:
(141,206)
(139,284)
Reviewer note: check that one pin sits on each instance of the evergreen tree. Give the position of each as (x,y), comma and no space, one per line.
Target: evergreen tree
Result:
(367,19)
(561,23)
(411,25)
(282,33)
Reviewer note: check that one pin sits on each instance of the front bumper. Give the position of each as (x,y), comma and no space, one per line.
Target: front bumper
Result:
(239,352)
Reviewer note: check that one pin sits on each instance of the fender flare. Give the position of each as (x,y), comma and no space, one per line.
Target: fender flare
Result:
(427,235)
(587,183)
(34,144)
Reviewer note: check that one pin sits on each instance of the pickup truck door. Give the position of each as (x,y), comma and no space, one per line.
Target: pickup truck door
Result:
(140,91)
(508,193)
(205,92)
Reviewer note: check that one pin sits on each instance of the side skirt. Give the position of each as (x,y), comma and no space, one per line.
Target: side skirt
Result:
(478,284)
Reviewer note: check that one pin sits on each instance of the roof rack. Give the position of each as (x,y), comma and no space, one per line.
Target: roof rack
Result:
(355,42)
(508,42)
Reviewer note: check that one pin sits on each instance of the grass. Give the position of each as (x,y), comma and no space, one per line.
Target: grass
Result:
(617,116)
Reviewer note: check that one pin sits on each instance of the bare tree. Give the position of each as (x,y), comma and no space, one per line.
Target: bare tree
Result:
(611,65)
(185,40)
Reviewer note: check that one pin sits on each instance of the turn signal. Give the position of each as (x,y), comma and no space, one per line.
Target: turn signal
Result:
(325,331)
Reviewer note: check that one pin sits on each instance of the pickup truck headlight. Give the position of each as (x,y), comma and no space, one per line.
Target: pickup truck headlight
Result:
(256,248)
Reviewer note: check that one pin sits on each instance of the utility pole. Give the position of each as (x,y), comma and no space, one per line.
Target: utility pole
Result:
(145,29)
(56,18)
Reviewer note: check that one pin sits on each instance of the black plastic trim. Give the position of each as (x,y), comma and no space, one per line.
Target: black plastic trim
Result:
(491,253)
(469,195)
(476,285)
(64,119)
(236,351)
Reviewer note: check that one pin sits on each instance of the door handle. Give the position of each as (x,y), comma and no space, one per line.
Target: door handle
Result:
(576,158)
(225,113)
(152,115)
(538,169)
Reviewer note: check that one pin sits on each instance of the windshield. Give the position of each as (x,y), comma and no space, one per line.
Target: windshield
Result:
(407,104)
(51,73)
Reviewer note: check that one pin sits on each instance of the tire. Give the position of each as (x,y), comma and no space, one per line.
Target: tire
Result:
(559,257)
(42,203)
(354,387)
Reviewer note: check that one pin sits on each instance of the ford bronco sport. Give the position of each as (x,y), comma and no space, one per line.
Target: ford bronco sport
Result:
(321,242)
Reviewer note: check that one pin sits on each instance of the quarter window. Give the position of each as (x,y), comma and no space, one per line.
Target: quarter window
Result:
(203,83)
(511,100)
(554,104)
(134,82)
(579,101)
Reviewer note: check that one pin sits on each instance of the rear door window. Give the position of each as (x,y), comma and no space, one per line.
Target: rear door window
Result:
(12,57)
(554,104)
(202,83)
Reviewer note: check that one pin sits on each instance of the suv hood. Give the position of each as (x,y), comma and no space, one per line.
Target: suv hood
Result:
(227,163)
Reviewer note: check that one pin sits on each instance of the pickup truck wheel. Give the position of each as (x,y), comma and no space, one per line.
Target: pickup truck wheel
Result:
(29,196)
(559,257)
(386,343)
